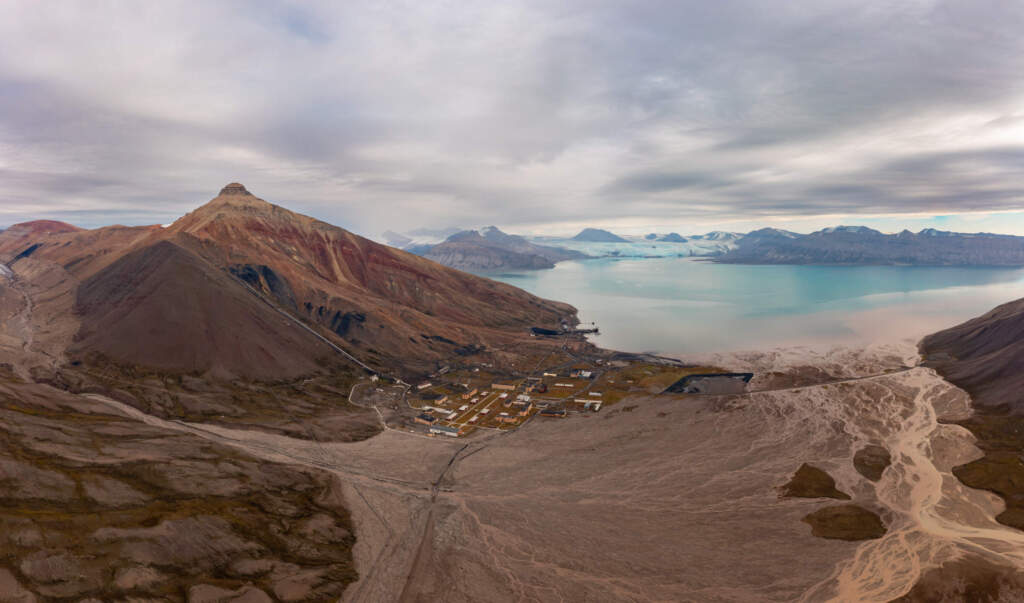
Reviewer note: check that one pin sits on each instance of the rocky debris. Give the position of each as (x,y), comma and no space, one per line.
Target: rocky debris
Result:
(312,409)
(23,481)
(207,593)
(812,482)
(97,506)
(111,492)
(871,461)
(137,577)
(845,522)
(11,591)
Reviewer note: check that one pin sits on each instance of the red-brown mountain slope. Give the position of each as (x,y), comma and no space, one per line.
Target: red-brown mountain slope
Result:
(162,306)
(171,298)
(984,356)
(373,297)
(41,227)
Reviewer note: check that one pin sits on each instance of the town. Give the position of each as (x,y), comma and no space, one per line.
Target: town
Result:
(456,401)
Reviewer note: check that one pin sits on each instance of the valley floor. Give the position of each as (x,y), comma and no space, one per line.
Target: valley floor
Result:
(667,497)
(655,497)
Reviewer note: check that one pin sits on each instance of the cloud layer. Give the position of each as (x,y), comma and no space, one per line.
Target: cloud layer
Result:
(536,115)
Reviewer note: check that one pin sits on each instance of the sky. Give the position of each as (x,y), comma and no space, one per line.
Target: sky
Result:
(539,117)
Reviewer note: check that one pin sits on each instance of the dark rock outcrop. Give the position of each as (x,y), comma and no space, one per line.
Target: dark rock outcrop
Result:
(264,279)
(845,522)
(871,461)
(811,482)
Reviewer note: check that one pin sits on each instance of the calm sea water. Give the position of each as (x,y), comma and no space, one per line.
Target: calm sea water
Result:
(682,305)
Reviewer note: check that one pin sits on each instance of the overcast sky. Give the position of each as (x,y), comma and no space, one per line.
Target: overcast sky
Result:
(535,116)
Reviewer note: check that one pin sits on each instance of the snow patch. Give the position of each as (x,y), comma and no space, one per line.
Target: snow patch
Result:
(641,248)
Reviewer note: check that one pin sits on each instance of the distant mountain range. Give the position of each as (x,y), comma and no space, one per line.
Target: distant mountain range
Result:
(863,245)
(596,235)
(492,249)
(420,240)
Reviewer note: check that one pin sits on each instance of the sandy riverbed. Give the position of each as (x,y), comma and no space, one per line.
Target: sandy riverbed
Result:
(667,497)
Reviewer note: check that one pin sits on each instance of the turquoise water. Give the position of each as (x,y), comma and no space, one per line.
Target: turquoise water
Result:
(683,305)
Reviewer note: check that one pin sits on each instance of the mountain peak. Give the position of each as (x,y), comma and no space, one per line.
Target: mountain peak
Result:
(235,188)
(236,196)
(233,202)
(848,229)
(42,227)
(597,235)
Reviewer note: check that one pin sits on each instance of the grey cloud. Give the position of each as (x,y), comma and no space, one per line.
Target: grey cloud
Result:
(647,182)
(403,115)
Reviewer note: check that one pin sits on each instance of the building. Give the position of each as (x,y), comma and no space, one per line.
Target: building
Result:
(550,374)
(524,408)
(425,419)
(711,383)
(469,394)
(452,432)
(594,405)
(581,374)
(506,418)
(424,385)
(554,413)
(503,386)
